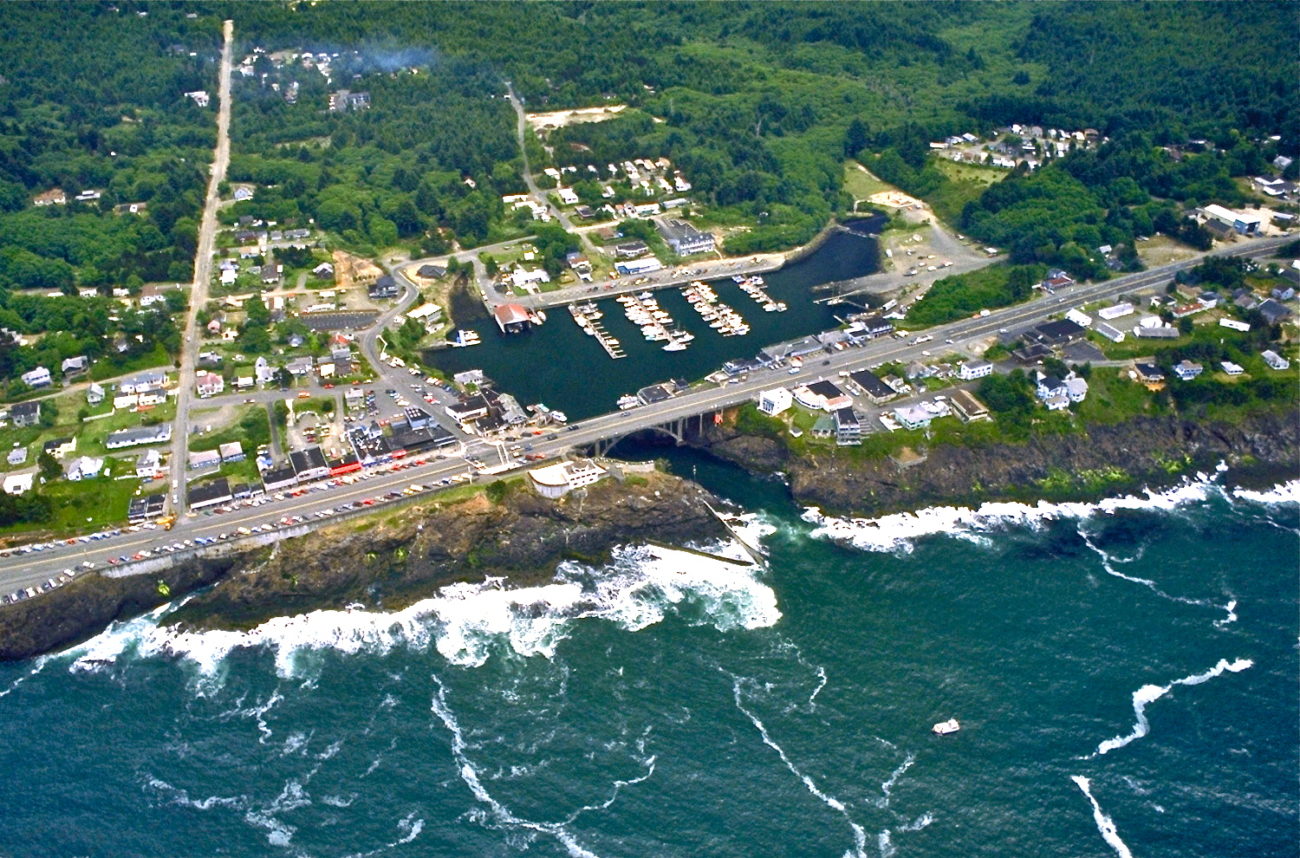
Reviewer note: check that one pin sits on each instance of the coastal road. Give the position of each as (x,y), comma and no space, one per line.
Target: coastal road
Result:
(25,570)
(198,297)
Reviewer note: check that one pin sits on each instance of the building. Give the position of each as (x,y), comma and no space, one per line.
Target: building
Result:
(1115,311)
(1110,332)
(822,396)
(151,396)
(685,239)
(848,429)
(60,447)
(148,465)
(17,484)
(1187,370)
(84,468)
(1076,388)
(527,279)
(1079,318)
(145,508)
(309,464)
(210,494)
(633,267)
(75,365)
(25,414)
(1231,369)
(344,100)
(1246,223)
(52,197)
(94,394)
(913,417)
(384,287)
(1156,332)
(1275,360)
(773,402)
(209,384)
(973,369)
(1272,311)
(431,272)
(39,377)
(141,380)
(969,409)
(283,477)
(17,456)
(1149,374)
(631,249)
(201,459)
(868,384)
(556,481)
(512,318)
(1056,333)
(1049,386)
(139,435)
(231,451)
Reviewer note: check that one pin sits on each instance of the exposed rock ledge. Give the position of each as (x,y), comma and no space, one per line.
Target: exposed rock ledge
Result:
(1149,452)
(387,560)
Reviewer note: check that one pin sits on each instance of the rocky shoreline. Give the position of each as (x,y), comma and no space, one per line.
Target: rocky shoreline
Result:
(392,559)
(1143,453)
(385,562)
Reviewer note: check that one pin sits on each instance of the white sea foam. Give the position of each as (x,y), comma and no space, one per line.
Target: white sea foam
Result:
(887,788)
(1288,492)
(1231,610)
(898,532)
(38,664)
(859,834)
(1105,824)
(465,621)
(469,774)
(409,827)
(1149,694)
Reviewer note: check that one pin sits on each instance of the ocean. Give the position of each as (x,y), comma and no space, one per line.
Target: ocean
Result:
(1124,673)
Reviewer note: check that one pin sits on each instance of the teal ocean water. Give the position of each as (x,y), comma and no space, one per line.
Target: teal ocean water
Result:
(1124,675)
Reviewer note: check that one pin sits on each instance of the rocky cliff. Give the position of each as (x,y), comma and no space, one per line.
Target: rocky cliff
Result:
(387,560)
(1145,452)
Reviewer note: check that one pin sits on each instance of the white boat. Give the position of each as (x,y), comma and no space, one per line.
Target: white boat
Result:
(465,338)
(627,401)
(675,346)
(944,728)
(561,417)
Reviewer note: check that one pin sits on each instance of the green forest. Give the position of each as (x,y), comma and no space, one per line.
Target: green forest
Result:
(759,103)
(92,98)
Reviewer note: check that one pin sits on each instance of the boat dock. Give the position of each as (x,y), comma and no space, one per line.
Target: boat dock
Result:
(587,317)
(754,287)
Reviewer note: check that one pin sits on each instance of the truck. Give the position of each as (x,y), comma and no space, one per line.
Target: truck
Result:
(167,521)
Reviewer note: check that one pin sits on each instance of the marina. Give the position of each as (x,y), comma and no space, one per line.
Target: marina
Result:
(588,317)
(719,316)
(556,364)
(656,324)
(754,287)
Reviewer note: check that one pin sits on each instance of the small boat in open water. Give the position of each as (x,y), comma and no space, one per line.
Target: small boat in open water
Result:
(944,728)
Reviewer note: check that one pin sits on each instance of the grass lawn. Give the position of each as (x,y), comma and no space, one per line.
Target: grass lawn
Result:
(103,369)
(859,182)
(973,173)
(81,507)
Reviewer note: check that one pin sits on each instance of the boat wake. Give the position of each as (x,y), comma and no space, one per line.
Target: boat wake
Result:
(1149,694)
(1105,824)
(859,833)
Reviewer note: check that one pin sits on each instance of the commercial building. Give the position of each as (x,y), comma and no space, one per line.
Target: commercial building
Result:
(870,385)
(773,402)
(309,464)
(556,481)
(210,494)
(685,239)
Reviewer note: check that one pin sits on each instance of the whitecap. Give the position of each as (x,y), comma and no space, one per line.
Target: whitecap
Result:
(1149,694)
(899,531)
(1105,824)
(38,664)
(1288,492)
(466,621)
(1231,610)
(887,788)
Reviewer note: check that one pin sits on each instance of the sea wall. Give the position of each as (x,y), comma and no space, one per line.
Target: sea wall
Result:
(1149,452)
(388,560)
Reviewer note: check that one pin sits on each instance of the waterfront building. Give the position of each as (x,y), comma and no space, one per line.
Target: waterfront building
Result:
(557,480)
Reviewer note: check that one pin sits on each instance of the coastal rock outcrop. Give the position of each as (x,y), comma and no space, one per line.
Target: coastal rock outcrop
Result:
(1143,452)
(386,560)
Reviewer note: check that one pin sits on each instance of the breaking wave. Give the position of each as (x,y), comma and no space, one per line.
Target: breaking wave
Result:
(898,532)
(1149,694)
(467,622)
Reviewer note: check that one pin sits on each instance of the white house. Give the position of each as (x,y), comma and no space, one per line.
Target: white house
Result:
(913,416)
(1234,324)
(1076,388)
(148,465)
(17,484)
(522,278)
(209,384)
(1110,332)
(1115,311)
(94,394)
(773,402)
(1274,360)
(973,369)
(84,468)
(39,377)
(1083,320)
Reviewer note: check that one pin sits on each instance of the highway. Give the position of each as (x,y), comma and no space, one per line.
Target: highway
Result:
(27,570)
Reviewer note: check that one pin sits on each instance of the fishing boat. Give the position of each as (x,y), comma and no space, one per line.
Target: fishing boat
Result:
(944,728)
(675,346)
(627,401)
(465,338)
